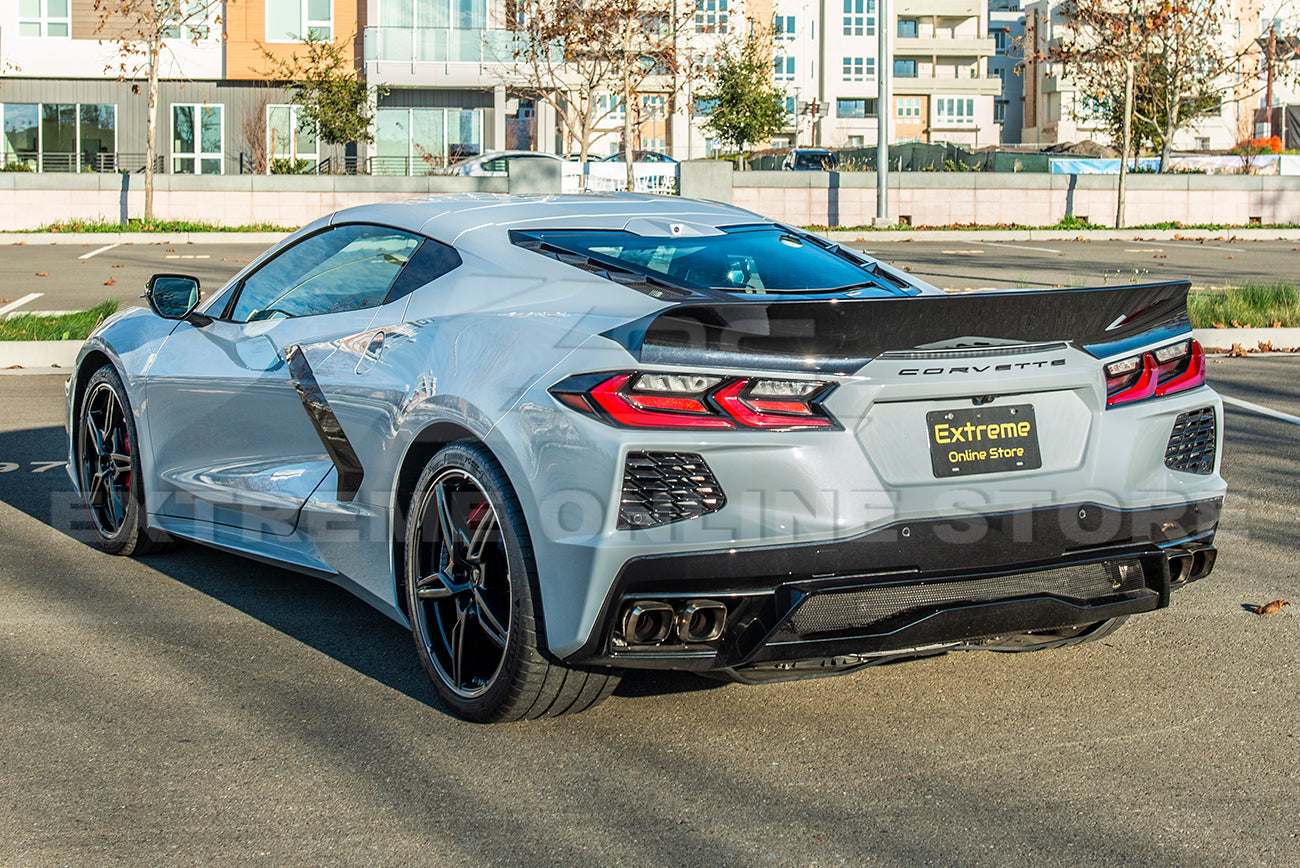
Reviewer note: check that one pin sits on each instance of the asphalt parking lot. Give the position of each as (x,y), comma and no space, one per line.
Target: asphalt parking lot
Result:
(196,708)
(76,276)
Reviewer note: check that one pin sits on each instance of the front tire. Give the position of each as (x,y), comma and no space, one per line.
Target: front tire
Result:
(473,599)
(108,468)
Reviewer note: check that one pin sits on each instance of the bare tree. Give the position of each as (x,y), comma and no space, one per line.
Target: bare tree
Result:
(253,127)
(141,30)
(585,59)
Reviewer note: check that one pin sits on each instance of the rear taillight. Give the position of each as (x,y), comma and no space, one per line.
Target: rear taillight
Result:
(1163,371)
(659,400)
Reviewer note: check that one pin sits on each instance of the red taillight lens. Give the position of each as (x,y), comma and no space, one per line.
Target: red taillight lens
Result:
(654,400)
(1164,371)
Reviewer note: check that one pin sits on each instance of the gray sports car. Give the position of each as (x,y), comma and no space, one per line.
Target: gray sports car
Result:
(563,436)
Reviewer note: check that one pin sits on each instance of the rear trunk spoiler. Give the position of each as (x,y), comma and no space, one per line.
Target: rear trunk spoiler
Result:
(842,335)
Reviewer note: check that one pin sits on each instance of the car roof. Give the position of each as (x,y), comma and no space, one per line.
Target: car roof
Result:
(470,218)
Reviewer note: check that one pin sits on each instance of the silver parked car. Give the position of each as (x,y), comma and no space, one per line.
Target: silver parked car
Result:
(559,436)
(495,163)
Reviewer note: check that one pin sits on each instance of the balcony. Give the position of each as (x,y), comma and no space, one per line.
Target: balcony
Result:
(938,8)
(929,46)
(414,45)
(947,85)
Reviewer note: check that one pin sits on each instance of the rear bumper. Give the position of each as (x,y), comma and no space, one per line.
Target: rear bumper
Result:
(913,586)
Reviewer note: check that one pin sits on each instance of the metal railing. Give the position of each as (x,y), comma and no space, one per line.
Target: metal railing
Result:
(72,162)
(439,45)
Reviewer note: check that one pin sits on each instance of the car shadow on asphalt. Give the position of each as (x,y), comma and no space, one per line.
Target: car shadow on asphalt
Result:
(320,615)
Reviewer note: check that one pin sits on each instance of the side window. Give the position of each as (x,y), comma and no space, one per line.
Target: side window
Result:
(344,268)
(430,262)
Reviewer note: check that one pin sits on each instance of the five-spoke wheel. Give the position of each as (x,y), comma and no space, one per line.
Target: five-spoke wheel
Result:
(108,467)
(471,593)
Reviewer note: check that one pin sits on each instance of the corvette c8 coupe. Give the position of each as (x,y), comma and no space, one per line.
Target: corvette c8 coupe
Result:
(561,436)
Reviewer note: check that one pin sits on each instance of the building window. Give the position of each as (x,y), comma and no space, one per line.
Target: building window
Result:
(422,141)
(859,17)
(293,20)
(908,107)
(54,137)
(859,68)
(791,106)
(190,20)
(711,16)
(855,141)
(784,27)
(43,18)
(907,28)
(287,137)
(904,69)
(855,108)
(954,110)
(783,69)
(1000,39)
(705,107)
(609,107)
(1000,111)
(1202,143)
(198,140)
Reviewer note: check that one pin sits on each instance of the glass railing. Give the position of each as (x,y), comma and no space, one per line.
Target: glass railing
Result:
(440,45)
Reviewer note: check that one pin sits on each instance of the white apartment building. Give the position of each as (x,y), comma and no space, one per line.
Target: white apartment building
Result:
(1055,111)
(828,59)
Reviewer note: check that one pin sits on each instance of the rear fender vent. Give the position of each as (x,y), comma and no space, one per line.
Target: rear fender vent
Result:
(1193,442)
(663,487)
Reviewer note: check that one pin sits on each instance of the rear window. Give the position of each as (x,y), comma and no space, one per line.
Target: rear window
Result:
(755,260)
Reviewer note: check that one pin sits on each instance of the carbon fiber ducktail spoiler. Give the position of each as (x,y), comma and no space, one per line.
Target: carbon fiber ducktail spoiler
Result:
(842,335)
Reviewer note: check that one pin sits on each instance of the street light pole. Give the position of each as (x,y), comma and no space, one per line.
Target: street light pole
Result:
(884,70)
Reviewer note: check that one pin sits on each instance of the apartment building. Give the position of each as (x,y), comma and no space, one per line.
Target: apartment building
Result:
(70,101)
(828,62)
(442,83)
(1055,110)
(1007,29)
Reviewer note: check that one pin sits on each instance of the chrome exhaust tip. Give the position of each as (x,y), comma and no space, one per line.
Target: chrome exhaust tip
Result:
(701,621)
(1203,561)
(648,622)
(1180,568)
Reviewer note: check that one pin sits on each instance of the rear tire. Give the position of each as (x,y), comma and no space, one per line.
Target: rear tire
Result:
(108,468)
(473,598)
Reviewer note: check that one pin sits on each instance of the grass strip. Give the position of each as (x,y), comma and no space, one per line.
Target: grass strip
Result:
(103,224)
(63,327)
(1252,305)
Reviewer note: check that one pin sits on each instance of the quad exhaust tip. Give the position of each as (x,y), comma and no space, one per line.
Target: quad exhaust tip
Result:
(1188,566)
(648,623)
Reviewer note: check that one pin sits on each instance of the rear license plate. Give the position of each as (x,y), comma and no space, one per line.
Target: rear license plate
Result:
(983,440)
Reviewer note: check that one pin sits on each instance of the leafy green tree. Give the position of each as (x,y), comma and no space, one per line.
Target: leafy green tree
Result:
(327,88)
(746,106)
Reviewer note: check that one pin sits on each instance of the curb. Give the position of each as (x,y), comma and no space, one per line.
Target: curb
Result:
(101,238)
(892,235)
(18,356)
(1251,340)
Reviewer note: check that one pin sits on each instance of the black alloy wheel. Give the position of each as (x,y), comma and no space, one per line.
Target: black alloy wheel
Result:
(471,594)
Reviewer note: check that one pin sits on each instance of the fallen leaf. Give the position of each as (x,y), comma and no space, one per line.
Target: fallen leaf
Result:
(1266,346)
(1235,324)
(1229,257)
(1219,325)
(1270,608)
(1237,351)
(1157,256)
(42,274)
(1277,323)
(3,300)
(171,249)
(12,368)
(117,265)
(110,282)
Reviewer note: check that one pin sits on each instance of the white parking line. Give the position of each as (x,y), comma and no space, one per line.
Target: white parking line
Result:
(1014,246)
(1198,246)
(14,305)
(1263,411)
(99,251)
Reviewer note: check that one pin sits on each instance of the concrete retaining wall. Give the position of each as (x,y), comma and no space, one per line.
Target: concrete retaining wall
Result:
(801,198)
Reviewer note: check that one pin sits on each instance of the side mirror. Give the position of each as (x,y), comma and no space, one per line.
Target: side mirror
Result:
(175,296)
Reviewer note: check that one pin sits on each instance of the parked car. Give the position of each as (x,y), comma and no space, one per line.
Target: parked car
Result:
(494,163)
(639,157)
(811,160)
(562,436)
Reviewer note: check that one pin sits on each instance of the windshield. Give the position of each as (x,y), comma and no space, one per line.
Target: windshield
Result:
(749,259)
